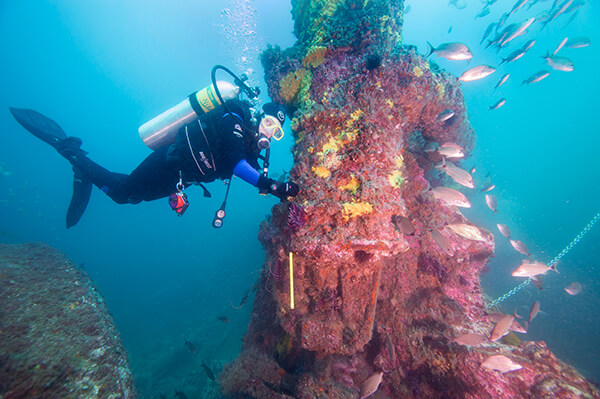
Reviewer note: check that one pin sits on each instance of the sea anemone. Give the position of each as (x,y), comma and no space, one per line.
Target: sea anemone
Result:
(296,216)
(373,61)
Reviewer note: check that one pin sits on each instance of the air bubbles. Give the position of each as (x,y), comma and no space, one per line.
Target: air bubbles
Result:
(239,28)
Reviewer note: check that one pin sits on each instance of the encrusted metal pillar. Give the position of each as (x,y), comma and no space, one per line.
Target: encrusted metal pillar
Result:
(370,294)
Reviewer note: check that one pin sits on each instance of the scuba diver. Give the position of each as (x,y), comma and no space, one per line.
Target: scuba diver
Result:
(210,135)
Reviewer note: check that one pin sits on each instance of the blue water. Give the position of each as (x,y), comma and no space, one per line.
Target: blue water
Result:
(102,68)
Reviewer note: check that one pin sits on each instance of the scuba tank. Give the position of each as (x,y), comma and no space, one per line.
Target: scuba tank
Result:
(162,129)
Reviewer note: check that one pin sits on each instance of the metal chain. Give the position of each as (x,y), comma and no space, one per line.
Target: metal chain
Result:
(576,240)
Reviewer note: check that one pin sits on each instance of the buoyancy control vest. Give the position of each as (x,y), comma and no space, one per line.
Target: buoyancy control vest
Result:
(209,147)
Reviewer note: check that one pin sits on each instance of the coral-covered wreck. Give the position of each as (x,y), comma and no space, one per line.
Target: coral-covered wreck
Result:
(371,295)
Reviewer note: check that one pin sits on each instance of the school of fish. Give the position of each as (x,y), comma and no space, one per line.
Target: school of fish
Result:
(500,35)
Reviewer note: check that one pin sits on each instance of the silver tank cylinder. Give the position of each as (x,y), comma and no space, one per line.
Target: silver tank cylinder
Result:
(162,129)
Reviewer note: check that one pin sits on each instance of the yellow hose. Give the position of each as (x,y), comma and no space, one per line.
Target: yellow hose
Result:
(291,280)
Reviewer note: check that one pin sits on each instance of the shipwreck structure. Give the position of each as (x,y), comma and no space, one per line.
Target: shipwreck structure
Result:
(373,293)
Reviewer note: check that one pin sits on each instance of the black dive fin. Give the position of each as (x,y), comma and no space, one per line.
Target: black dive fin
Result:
(39,125)
(82,189)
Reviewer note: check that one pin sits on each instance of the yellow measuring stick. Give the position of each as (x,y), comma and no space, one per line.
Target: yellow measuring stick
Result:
(291,280)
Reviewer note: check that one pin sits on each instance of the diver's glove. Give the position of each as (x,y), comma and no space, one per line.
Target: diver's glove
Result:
(278,189)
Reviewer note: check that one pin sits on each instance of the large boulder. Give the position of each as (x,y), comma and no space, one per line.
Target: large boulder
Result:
(57,338)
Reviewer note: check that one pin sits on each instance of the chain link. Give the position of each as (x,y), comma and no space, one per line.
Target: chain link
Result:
(562,253)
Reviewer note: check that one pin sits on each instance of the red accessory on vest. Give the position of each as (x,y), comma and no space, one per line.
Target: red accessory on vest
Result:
(179,202)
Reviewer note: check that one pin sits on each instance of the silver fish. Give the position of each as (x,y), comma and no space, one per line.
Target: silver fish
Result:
(455,3)
(504,230)
(467,231)
(483,13)
(371,384)
(560,45)
(390,346)
(498,104)
(515,55)
(536,77)
(527,46)
(451,144)
(451,197)
(571,19)
(430,147)
(489,188)
(461,5)
(500,363)
(507,30)
(471,339)
(476,73)
(518,4)
(495,317)
(554,3)
(515,326)
(502,327)
(518,327)
(444,116)
(535,309)
(451,150)
(502,21)
(499,37)
(473,169)
(578,42)
(560,63)
(459,175)
(502,80)
(518,31)
(558,12)
(573,288)
(574,6)
(491,202)
(487,32)
(451,51)
(520,247)
(403,225)
(442,242)
(532,268)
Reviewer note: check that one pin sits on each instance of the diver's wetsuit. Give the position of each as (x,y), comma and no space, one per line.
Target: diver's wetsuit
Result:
(212,147)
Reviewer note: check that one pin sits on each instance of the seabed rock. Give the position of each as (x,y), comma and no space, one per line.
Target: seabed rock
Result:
(367,297)
(57,338)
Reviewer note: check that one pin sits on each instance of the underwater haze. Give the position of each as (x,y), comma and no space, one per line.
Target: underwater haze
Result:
(102,68)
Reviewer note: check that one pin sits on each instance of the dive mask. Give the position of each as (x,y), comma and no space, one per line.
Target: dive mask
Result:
(269,128)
